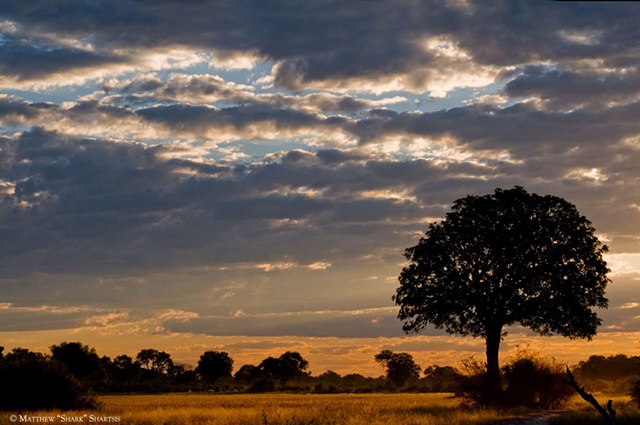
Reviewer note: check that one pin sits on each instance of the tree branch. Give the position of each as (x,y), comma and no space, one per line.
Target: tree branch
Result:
(609,414)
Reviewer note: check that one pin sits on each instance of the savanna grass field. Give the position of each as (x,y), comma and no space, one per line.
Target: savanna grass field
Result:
(309,409)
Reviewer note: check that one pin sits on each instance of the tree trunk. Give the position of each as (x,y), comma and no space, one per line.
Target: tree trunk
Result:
(494,383)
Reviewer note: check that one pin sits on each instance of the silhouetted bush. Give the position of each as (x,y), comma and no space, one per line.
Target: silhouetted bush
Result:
(473,384)
(635,393)
(533,381)
(262,385)
(31,381)
(442,379)
(528,381)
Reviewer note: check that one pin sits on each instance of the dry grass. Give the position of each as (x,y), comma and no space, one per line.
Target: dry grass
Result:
(314,409)
(582,413)
(287,409)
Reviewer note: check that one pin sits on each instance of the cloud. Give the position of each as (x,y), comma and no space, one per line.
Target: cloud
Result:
(31,61)
(341,57)
(597,88)
(17,319)
(14,111)
(190,88)
(422,46)
(344,324)
(275,160)
(93,193)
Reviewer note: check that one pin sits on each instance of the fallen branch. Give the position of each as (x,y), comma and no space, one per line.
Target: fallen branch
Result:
(608,414)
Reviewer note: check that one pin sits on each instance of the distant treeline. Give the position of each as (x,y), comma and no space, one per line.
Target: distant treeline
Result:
(154,371)
(74,370)
(612,374)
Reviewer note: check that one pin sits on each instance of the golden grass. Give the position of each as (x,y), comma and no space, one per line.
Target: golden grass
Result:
(300,409)
(579,412)
(285,409)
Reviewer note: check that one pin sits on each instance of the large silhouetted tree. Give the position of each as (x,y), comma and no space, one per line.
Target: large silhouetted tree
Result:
(504,259)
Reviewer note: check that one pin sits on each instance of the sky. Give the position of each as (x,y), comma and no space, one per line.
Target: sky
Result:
(193,175)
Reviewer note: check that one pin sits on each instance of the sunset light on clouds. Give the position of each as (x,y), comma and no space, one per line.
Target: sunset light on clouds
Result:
(244,176)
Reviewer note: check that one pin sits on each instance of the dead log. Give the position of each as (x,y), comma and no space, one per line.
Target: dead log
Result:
(608,413)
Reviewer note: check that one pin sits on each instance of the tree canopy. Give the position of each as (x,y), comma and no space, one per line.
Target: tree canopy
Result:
(214,365)
(507,258)
(399,367)
(155,361)
(81,360)
(33,381)
(288,366)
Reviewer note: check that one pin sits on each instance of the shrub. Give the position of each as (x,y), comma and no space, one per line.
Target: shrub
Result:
(528,380)
(263,385)
(473,384)
(635,393)
(31,381)
(533,381)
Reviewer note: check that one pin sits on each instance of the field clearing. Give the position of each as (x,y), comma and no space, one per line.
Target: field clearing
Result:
(280,409)
(290,409)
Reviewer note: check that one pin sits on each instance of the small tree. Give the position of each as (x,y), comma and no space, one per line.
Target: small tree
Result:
(284,368)
(214,365)
(399,367)
(248,373)
(81,360)
(156,361)
(504,259)
(124,373)
(442,379)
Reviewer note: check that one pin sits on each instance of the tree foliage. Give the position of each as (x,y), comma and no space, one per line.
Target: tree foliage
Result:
(507,258)
(399,367)
(284,368)
(82,361)
(214,365)
(609,368)
(155,361)
(31,381)
(442,379)
(248,373)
